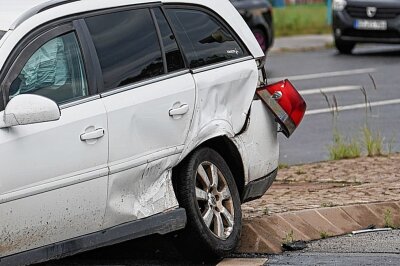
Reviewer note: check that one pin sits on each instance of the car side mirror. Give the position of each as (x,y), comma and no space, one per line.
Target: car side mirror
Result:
(26,109)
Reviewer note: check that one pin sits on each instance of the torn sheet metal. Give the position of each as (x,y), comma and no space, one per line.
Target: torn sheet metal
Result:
(141,192)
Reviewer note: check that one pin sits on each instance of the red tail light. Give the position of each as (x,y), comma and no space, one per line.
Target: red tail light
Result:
(286,103)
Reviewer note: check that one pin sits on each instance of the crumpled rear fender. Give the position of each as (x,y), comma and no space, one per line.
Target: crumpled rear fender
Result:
(258,144)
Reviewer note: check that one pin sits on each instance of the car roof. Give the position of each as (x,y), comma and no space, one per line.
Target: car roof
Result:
(21,16)
(13,13)
(11,10)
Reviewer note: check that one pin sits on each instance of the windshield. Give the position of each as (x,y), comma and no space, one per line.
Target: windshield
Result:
(2,33)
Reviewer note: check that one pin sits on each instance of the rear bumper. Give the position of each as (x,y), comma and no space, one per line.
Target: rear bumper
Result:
(343,29)
(259,148)
(257,188)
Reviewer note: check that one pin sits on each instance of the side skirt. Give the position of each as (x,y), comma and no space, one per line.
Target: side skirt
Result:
(157,224)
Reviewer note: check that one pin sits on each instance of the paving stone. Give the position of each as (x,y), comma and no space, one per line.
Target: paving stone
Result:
(301,225)
(319,223)
(340,219)
(381,210)
(363,215)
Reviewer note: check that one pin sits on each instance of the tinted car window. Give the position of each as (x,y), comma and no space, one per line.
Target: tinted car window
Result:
(204,39)
(55,70)
(172,52)
(127,46)
(2,33)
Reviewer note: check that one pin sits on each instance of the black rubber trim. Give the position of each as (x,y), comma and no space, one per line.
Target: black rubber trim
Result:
(257,188)
(157,224)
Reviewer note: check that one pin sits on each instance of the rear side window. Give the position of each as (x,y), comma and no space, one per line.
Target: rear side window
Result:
(204,39)
(172,53)
(127,46)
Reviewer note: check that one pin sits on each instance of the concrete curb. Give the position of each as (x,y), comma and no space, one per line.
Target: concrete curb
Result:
(266,234)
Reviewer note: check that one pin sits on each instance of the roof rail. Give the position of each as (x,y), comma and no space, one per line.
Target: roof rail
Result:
(37,9)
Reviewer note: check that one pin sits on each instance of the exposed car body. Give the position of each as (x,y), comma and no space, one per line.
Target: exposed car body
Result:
(120,119)
(258,15)
(365,21)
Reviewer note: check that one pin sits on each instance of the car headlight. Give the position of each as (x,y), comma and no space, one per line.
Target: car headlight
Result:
(338,5)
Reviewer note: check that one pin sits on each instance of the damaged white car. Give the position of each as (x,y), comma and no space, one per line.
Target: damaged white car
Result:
(120,119)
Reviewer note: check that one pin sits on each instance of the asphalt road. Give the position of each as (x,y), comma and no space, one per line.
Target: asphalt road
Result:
(378,248)
(341,76)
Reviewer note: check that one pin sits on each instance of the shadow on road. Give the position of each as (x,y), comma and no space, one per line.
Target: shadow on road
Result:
(151,250)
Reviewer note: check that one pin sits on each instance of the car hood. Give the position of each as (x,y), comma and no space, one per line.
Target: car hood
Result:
(375,3)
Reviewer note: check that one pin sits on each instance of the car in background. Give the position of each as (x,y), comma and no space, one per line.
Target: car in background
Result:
(365,21)
(258,15)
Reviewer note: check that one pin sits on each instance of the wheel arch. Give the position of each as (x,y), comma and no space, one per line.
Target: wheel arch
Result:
(229,152)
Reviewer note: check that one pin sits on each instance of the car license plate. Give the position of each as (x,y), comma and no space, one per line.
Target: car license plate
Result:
(362,24)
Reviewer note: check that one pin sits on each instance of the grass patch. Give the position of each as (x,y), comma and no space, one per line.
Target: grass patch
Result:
(388,219)
(373,142)
(283,166)
(324,235)
(343,149)
(289,238)
(301,19)
(328,205)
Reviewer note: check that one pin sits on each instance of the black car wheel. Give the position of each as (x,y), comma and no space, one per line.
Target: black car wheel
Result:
(344,47)
(206,189)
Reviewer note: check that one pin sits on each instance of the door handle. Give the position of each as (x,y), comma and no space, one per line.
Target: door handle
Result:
(96,134)
(181,110)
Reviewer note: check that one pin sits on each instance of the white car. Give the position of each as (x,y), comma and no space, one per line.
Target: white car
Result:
(125,118)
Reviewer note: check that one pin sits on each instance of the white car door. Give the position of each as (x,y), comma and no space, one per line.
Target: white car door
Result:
(149,98)
(53,176)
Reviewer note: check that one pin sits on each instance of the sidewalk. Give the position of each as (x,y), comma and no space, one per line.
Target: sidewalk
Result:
(302,43)
(309,202)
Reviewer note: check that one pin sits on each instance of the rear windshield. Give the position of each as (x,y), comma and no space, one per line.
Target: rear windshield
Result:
(2,33)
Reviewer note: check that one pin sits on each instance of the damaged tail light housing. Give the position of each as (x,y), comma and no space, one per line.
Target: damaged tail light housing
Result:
(286,104)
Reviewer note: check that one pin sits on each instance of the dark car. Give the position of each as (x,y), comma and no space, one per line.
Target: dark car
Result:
(365,21)
(258,15)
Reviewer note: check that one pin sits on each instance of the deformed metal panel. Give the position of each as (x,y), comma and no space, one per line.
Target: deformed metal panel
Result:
(141,192)
(259,144)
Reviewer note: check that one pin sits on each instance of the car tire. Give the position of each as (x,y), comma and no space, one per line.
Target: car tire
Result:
(261,38)
(344,47)
(205,187)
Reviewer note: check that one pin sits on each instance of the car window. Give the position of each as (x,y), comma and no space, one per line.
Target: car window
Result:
(203,38)
(2,33)
(127,46)
(55,70)
(172,53)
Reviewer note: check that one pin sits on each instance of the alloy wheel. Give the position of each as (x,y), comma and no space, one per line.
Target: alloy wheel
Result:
(214,200)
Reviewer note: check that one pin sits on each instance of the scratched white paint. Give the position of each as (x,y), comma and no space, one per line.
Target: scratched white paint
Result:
(259,145)
(223,99)
(53,216)
(140,192)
